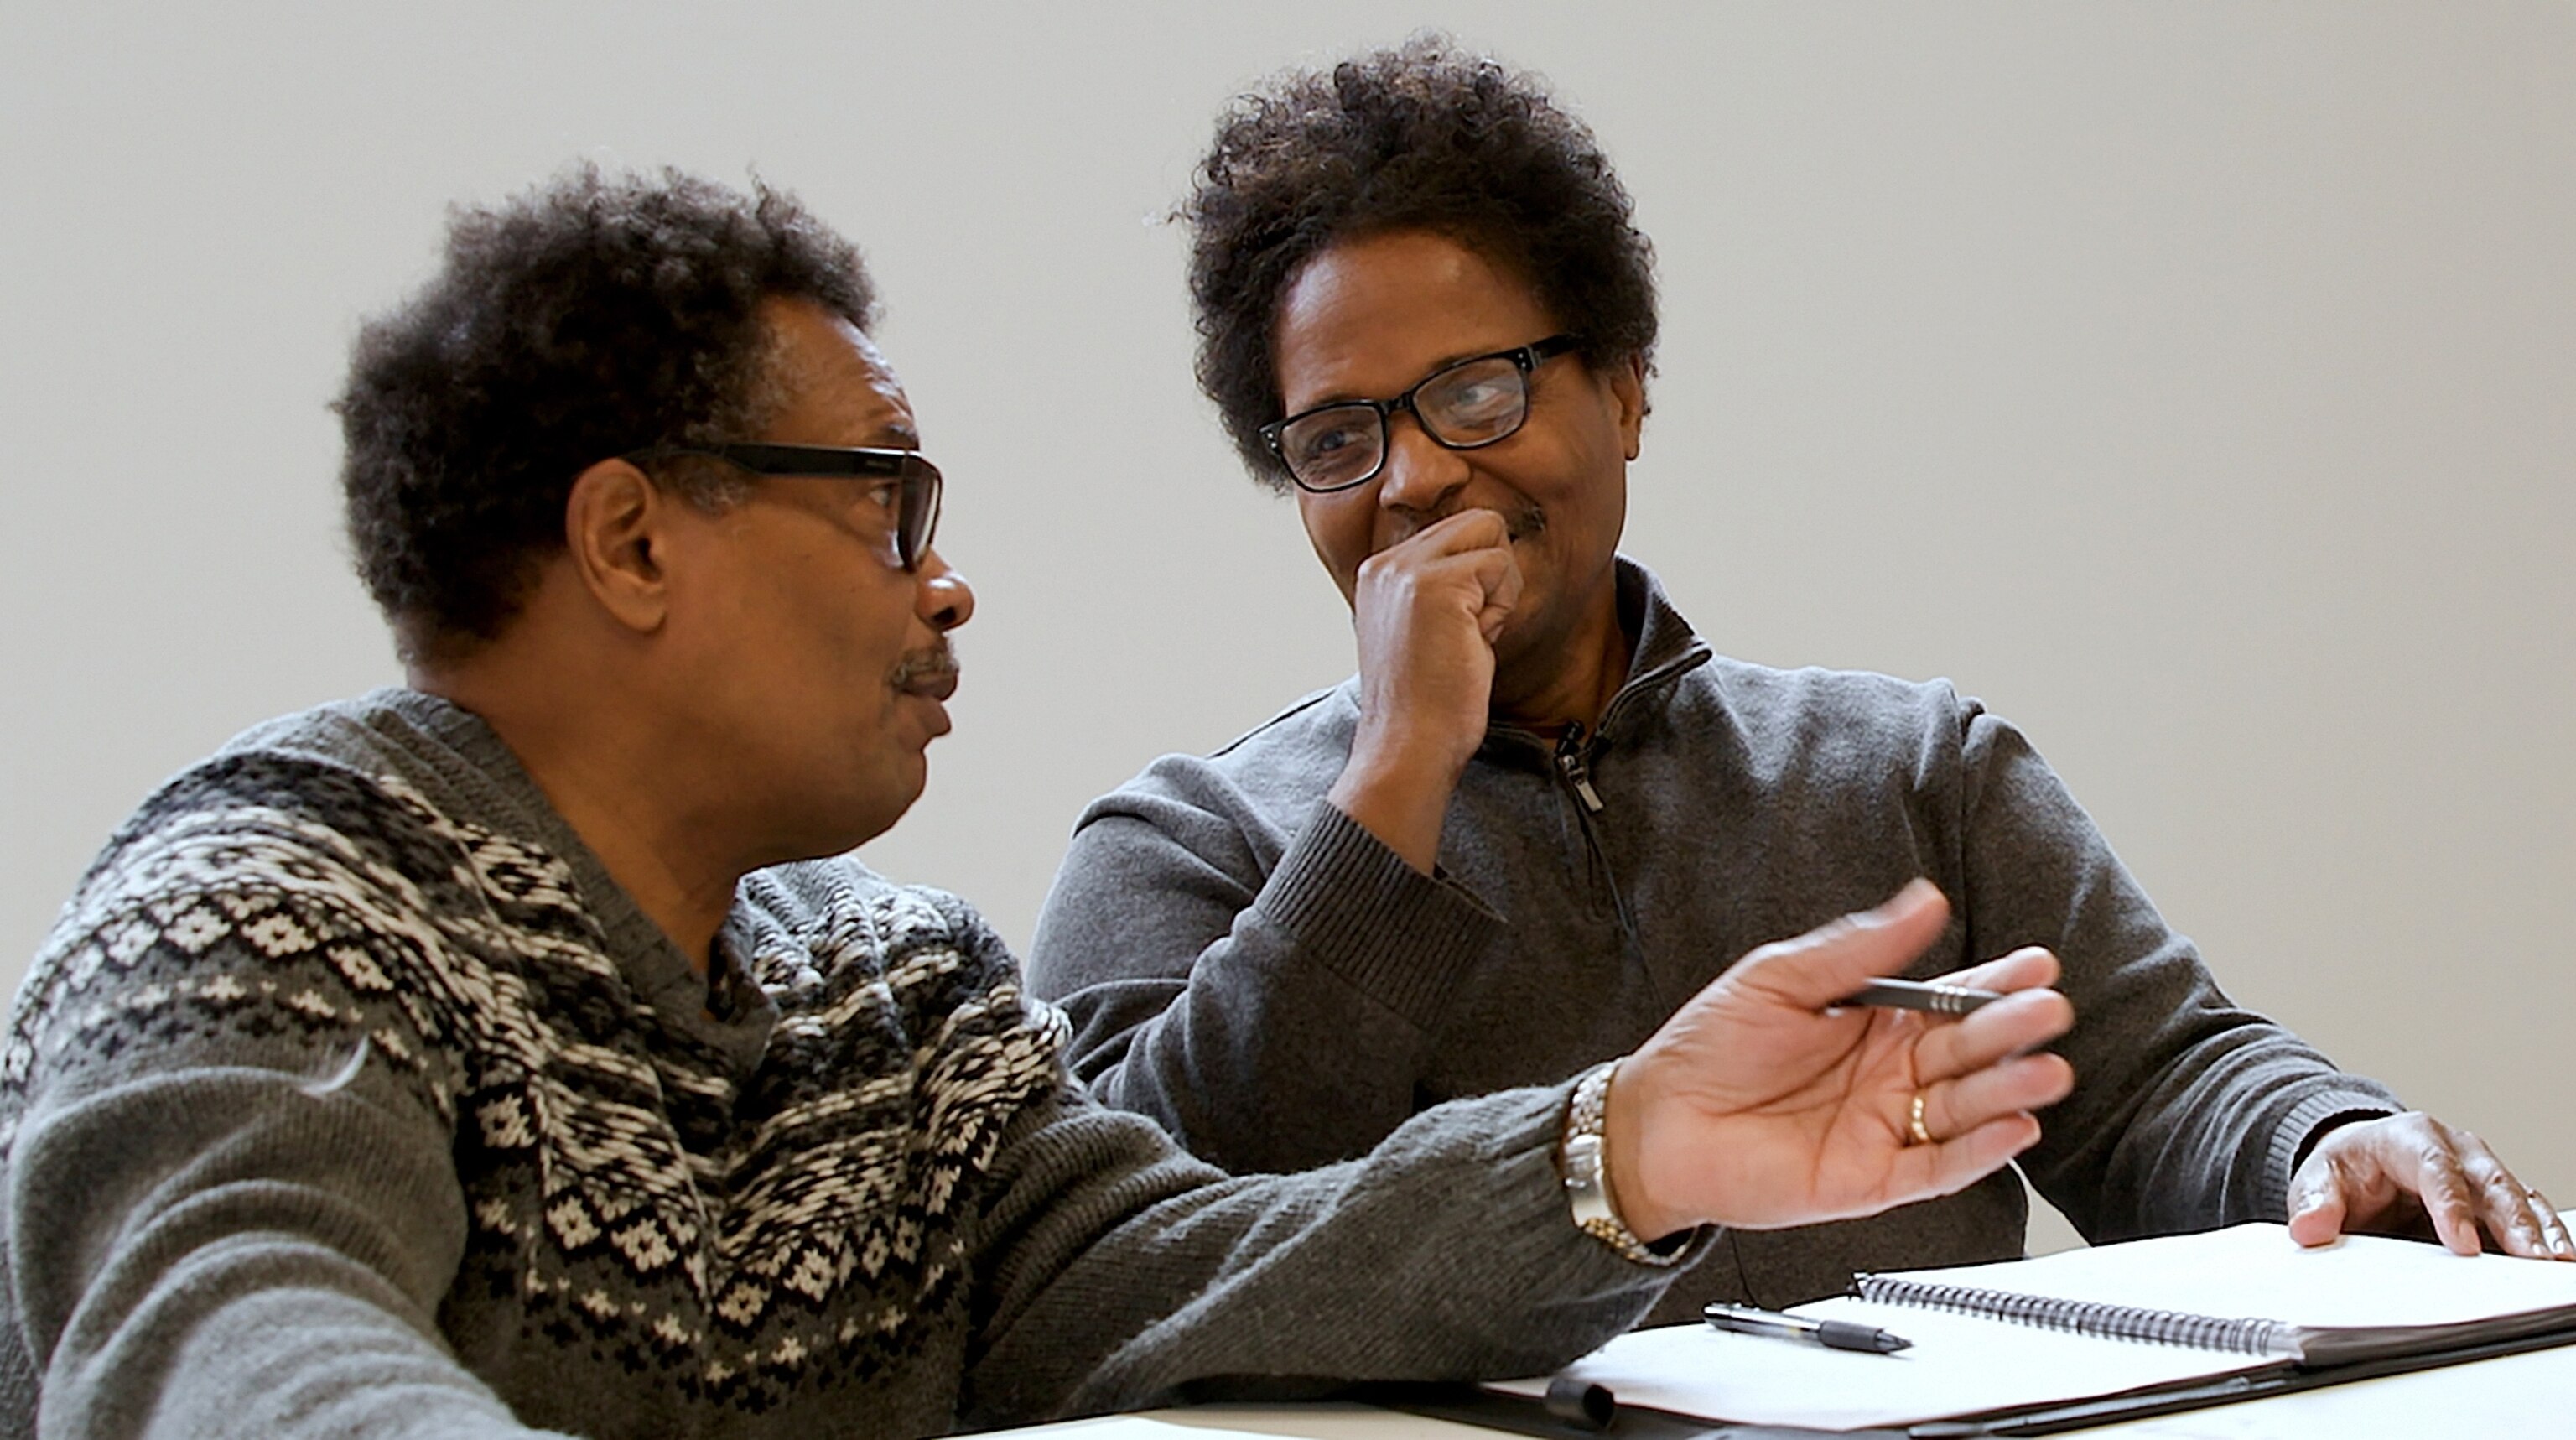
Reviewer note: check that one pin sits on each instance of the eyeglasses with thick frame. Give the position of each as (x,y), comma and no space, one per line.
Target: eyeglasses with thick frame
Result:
(1454,405)
(918,482)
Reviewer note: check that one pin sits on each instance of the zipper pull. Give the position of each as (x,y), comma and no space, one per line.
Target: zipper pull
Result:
(1571,762)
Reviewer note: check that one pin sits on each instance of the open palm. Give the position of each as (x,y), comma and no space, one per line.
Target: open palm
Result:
(1756,1105)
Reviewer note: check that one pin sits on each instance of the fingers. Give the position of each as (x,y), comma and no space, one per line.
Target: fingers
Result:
(1954,1164)
(2450,1200)
(1502,577)
(2317,1205)
(2027,968)
(2514,1213)
(2463,1187)
(1829,962)
(2381,1173)
(2553,1228)
(1477,540)
(2024,1020)
(1981,1084)
(1466,557)
(1474,528)
(2015,1087)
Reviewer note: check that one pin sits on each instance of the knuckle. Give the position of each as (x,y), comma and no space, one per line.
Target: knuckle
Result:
(1838,928)
(1822,936)
(1768,954)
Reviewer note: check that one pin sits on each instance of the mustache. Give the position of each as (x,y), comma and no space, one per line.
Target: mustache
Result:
(931,670)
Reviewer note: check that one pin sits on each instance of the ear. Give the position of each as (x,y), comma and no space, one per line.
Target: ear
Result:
(615,532)
(1628,388)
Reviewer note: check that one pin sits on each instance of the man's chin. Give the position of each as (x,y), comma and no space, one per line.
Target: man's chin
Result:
(1533,639)
(867,815)
(900,797)
(926,713)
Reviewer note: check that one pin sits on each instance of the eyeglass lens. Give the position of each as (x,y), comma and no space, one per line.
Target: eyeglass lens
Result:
(918,517)
(1464,406)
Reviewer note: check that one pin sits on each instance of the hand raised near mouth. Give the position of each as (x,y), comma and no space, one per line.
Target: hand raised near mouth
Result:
(1425,611)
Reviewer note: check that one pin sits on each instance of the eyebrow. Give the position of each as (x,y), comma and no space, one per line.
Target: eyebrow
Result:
(891,434)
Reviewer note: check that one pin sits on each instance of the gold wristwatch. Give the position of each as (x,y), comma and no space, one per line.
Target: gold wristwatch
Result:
(1587,1172)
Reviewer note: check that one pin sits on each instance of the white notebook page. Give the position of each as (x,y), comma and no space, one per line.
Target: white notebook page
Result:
(1965,1364)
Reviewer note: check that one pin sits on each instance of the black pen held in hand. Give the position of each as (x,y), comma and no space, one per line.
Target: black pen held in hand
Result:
(1832,1334)
(1920,995)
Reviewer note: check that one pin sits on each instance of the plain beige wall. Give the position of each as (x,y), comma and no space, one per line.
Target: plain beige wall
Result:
(2194,382)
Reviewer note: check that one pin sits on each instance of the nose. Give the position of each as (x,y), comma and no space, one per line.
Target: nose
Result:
(941,596)
(1420,473)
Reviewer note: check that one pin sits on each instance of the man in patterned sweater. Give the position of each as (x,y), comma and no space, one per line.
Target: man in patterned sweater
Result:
(491,1055)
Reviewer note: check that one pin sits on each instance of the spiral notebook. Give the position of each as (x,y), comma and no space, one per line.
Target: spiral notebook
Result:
(2134,1319)
(2337,1344)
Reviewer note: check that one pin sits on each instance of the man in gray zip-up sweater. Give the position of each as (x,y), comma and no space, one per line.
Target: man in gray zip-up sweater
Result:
(1543,810)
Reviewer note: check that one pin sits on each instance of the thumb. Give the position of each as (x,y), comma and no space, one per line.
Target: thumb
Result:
(2317,1210)
(1834,959)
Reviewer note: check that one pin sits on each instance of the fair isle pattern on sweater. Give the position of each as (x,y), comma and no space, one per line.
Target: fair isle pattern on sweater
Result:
(740,1239)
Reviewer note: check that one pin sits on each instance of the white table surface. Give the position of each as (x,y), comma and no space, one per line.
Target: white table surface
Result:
(2516,1398)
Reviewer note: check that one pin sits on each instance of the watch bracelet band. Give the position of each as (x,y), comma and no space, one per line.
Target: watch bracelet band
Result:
(1587,1175)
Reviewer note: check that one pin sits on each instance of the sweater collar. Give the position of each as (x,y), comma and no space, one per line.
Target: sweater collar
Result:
(1666,645)
(1665,649)
(508,799)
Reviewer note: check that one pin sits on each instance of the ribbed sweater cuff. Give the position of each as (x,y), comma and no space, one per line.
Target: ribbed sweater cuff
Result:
(1356,908)
(2292,1136)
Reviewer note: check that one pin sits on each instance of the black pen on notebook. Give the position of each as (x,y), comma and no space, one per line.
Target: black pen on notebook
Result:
(1920,995)
(1832,1334)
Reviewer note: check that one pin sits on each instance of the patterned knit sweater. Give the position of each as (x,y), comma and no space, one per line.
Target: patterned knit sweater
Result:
(350,1095)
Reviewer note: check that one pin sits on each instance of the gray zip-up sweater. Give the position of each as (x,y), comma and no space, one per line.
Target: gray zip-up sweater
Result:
(1259,974)
(351,1096)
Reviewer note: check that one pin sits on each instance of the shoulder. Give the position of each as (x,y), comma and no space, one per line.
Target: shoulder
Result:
(263,906)
(1813,690)
(1817,711)
(1320,719)
(288,824)
(1269,777)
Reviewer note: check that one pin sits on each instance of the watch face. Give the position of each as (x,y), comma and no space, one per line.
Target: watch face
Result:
(1582,1161)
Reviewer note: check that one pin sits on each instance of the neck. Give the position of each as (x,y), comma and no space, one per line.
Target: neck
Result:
(1551,682)
(641,831)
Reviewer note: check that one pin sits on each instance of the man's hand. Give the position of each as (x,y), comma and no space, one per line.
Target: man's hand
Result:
(1756,1106)
(2412,1174)
(1426,612)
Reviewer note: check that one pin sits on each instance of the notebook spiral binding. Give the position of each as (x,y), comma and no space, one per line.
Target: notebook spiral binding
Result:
(2084,1317)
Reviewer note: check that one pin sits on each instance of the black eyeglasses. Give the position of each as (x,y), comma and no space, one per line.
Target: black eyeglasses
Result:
(916,495)
(1462,406)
